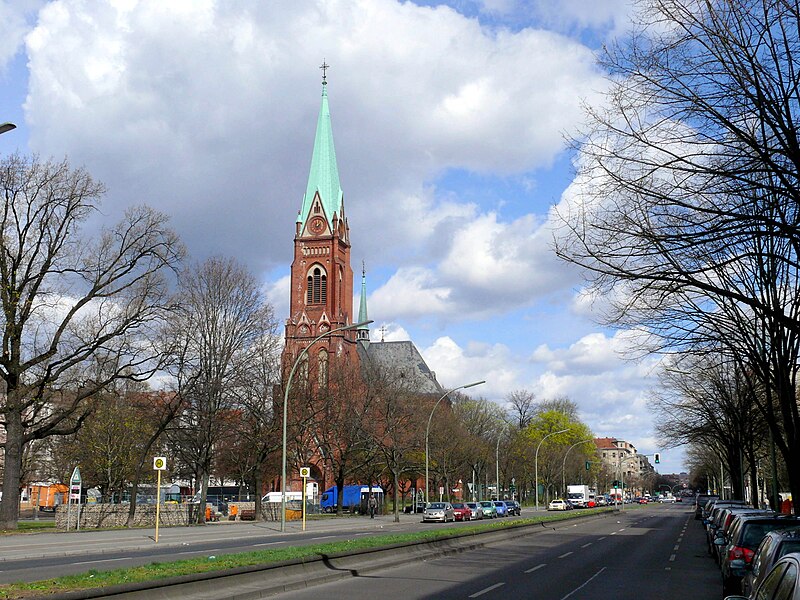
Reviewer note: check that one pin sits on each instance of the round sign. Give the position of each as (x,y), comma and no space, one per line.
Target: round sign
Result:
(159,463)
(305,471)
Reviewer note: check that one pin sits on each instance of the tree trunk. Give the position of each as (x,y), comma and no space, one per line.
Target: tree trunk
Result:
(396,479)
(12,468)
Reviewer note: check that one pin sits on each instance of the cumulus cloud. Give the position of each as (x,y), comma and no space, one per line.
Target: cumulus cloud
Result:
(207,110)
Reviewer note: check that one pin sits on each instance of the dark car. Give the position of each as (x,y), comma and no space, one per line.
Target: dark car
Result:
(723,520)
(513,507)
(783,581)
(699,503)
(774,546)
(743,538)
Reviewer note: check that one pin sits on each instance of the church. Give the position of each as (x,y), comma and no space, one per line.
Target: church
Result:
(322,292)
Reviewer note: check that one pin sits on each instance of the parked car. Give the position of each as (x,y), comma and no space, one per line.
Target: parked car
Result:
(502,508)
(489,509)
(476,508)
(559,504)
(722,521)
(513,507)
(462,512)
(699,503)
(743,538)
(439,511)
(774,546)
(783,577)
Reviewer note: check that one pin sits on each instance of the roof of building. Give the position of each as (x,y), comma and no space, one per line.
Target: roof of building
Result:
(404,359)
(324,174)
(362,308)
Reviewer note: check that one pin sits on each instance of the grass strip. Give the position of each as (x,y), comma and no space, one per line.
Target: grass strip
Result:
(162,570)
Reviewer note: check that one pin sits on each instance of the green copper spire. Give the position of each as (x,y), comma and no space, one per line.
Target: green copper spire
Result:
(324,174)
(363,331)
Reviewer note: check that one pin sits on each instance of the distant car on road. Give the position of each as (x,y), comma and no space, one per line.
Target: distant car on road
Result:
(502,508)
(476,508)
(439,511)
(462,512)
(558,504)
(489,509)
(513,507)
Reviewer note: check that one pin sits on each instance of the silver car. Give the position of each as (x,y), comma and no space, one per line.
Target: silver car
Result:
(476,508)
(439,511)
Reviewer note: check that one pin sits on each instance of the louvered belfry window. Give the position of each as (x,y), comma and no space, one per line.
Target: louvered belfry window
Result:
(317,290)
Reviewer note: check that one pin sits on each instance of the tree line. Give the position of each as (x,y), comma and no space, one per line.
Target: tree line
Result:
(685,218)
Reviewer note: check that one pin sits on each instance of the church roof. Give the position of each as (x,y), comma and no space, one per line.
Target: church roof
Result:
(324,174)
(362,307)
(404,359)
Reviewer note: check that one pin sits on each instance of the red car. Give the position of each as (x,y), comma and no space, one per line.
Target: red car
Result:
(462,511)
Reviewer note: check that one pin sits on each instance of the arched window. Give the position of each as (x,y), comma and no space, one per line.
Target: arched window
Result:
(323,367)
(317,286)
(303,371)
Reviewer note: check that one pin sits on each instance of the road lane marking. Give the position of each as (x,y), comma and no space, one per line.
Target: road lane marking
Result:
(676,547)
(584,584)
(613,533)
(89,562)
(671,558)
(323,537)
(268,543)
(489,589)
(601,539)
(586,545)
(536,568)
(565,555)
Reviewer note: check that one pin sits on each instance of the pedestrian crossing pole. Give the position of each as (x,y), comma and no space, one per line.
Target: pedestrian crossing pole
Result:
(304,473)
(159,464)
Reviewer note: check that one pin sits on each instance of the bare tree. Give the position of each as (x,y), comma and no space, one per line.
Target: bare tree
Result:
(78,314)
(521,407)
(222,319)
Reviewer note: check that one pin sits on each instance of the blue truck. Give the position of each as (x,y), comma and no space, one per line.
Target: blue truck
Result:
(355,498)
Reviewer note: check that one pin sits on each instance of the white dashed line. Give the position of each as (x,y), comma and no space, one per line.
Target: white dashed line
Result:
(671,558)
(601,539)
(269,543)
(324,537)
(489,589)
(566,554)
(586,545)
(536,568)
(89,562)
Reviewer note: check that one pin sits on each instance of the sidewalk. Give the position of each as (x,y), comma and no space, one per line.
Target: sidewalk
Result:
(75,543)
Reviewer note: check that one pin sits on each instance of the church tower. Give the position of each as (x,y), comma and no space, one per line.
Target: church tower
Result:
(321,297)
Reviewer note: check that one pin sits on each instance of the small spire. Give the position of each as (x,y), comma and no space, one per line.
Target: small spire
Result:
(363,330)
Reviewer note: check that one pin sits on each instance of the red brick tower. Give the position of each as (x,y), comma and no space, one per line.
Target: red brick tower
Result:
(322,279)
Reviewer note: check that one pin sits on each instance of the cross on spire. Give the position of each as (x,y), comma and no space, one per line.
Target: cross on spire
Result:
(325,66)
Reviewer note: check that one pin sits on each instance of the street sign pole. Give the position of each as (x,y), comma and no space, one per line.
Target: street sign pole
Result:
(159,464)
(304,473)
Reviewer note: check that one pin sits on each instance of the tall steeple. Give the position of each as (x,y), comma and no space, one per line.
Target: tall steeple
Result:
(362,334)
(323,178)
(321,294)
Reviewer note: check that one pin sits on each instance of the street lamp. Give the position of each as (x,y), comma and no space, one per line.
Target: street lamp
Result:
(564,464)
(428,428)
(497,464)
(536,465)
(300,356)
(4,127)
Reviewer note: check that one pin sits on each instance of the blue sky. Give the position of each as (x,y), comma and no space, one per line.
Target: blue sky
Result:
(449,121)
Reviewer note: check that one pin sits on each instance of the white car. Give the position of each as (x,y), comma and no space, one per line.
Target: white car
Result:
(558,504)
(476,508)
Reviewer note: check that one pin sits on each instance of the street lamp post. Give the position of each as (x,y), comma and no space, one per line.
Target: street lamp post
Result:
(428,428)
(300,356)
(4,127)
(564,464)
(497,465)
(536,465)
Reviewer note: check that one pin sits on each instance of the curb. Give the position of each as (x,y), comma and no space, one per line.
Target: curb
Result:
(246,583)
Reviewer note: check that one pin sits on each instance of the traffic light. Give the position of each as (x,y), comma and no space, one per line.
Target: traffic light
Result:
(657,457)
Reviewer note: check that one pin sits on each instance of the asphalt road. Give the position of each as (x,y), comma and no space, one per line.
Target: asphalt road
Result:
(649,552)
(42,555)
